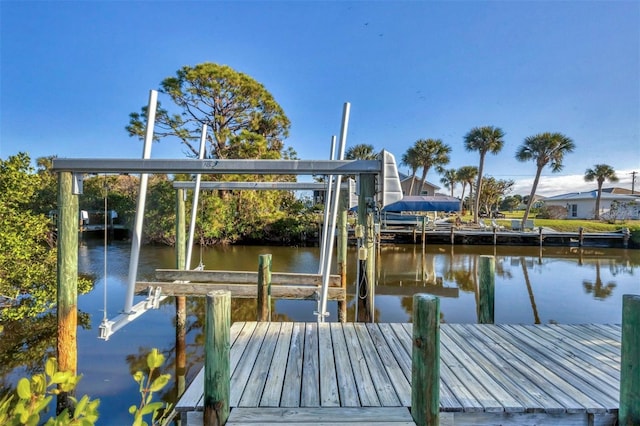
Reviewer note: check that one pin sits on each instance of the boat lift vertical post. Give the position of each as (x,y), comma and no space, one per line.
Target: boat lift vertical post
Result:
(327,204)
(322,313)
(142,197)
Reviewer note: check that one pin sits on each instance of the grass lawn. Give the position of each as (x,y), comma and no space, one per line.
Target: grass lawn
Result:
(568,225)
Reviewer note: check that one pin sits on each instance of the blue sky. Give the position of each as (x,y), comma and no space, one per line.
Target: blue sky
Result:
(71,72)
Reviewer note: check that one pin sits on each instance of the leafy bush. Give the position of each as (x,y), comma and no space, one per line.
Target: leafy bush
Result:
(552,212)
(33,396)
(147,388)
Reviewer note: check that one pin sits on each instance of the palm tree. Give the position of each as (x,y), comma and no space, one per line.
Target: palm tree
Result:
(410,158)
(544,148)
(483,139)
(600,173)
(449,179)
(362,151)
(431,153)
(466,175)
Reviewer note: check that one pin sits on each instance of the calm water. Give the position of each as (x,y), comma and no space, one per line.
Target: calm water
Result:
(564,285)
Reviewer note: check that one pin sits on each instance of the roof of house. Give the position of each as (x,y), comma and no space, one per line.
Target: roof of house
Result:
(592,195)
(404,177)
(618,190)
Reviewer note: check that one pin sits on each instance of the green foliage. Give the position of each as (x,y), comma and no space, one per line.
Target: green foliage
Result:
(486,139)
(160,214)
(243,118)
(510,203)
(492,191)
(243,121)
(33,396)
(149,385)
(121,192)
(551,212)
(28,257)
(361,151)
(430,153)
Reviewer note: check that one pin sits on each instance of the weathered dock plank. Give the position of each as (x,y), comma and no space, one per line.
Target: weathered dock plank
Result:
(257,379)
(547,375)
(514,383)
(305,373)
(293,374)
(364,382)
(329,394)
(310,392)
(240,376)
(401,384)
(497,398)
(381,381)
(275,379)
(344,372)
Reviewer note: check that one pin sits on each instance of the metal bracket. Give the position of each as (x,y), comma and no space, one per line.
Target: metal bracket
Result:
(77,183)
(153,298)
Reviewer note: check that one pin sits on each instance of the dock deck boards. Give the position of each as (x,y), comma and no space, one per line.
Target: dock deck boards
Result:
(516,373)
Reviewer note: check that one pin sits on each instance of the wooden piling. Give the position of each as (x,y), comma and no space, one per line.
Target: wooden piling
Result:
(425,365)
(365,217)
(625,238)
(181,230)
(217,390)
(264,288)
(540,237)
(629,412)
(341,254)
(67,282)
(424,232)
(580,236)
(181,301)
(486,304)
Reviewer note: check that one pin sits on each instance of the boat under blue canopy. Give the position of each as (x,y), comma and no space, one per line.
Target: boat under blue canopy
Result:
(425,203)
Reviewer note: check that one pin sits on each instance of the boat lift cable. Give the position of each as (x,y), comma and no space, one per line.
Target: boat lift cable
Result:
(131,312)
(194,207)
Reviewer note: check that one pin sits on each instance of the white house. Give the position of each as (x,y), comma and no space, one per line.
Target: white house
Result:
(581,205)
(429,188)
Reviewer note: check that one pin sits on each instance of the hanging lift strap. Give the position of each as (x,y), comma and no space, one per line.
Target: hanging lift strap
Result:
(106,194)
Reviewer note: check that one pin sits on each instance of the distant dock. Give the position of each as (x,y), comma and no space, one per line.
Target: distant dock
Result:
(501,236)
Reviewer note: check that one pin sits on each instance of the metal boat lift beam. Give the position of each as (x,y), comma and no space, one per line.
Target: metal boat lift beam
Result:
(252,167)
(258,186)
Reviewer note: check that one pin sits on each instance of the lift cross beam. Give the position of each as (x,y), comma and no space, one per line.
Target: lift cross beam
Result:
(263,167)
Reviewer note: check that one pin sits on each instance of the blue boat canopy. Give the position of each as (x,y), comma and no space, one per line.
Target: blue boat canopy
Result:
(425,203)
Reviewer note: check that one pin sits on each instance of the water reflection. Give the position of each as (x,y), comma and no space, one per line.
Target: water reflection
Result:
(597,288)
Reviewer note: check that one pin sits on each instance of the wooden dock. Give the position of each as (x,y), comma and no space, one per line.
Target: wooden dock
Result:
(504,236)
(349,373)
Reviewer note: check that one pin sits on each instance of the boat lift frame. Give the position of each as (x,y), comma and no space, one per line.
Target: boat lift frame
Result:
(384,167)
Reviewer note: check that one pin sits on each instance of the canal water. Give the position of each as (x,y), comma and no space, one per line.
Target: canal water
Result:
(551,285)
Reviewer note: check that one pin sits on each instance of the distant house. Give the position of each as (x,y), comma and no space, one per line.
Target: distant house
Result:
(538,201)
(621,191)
(405,183)
(581,205)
